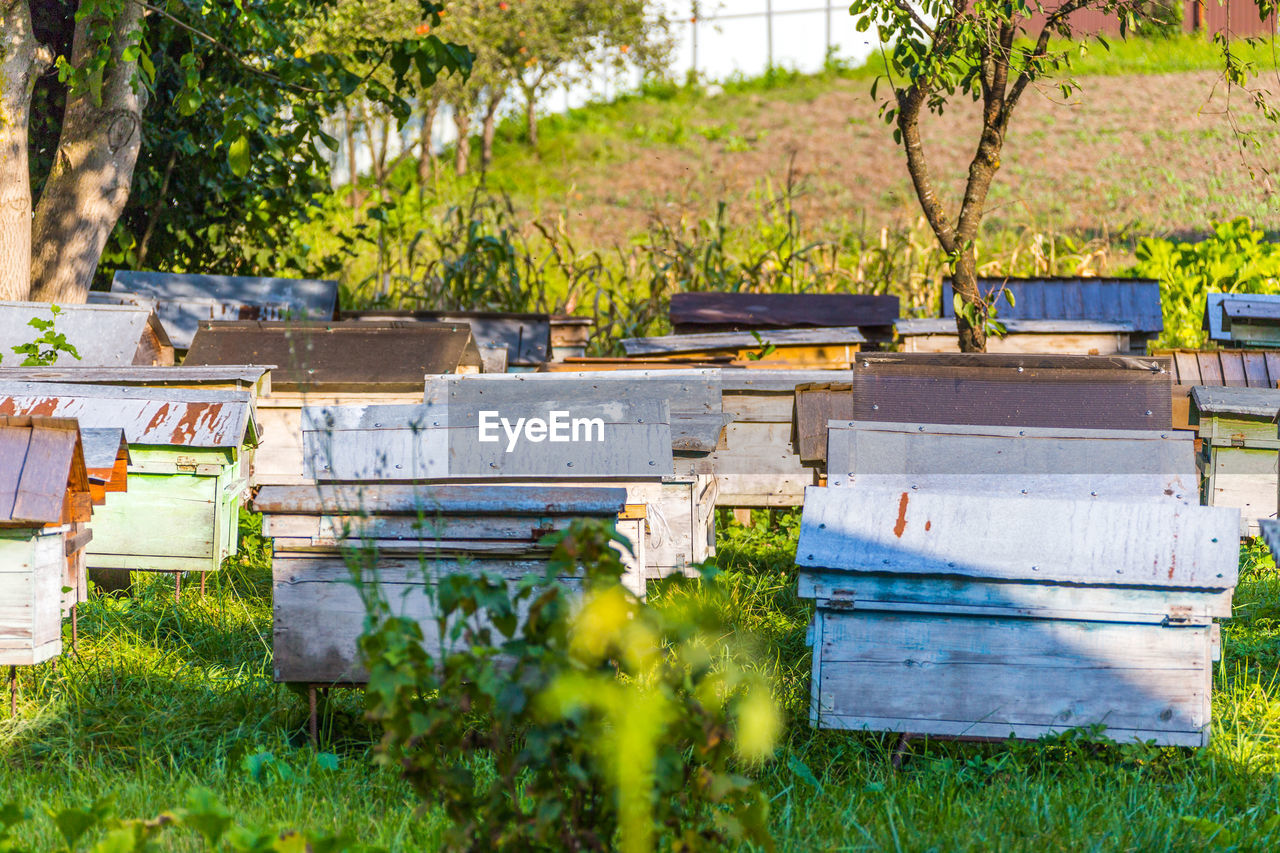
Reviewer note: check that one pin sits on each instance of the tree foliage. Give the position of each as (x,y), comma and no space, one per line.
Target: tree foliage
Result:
(990,52)
(226,107)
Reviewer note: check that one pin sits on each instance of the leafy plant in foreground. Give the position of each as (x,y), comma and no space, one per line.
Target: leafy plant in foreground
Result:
(552,719)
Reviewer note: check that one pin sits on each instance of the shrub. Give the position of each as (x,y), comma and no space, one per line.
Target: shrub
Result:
(557,720)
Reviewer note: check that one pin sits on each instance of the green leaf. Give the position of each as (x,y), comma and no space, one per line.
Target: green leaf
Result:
(238,156)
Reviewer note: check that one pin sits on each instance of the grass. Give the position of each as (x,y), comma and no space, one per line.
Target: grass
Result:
(165,697)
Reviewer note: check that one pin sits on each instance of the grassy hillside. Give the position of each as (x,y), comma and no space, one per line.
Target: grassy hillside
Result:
(1150,145)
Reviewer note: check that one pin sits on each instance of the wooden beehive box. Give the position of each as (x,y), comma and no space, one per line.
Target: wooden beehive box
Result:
(570,335)
(352,362)
(952,614)
(1243,368)
(403,538)
(1069,315)
(1066,337)
(635,448)
(103,335)
(44,491)
(504,338)
(188,450)
(184,300)
(1243,319)
(800,349)
(1239,450)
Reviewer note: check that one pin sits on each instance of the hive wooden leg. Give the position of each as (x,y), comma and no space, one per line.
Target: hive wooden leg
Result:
(13,691)
(313,723)
(203,577)
(177,587)
(901,750)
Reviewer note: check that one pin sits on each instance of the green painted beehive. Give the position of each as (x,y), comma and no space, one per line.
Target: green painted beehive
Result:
(188,473)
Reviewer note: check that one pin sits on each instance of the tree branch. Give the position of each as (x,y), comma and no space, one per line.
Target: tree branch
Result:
(1039,51)
(231,52)
(906,6)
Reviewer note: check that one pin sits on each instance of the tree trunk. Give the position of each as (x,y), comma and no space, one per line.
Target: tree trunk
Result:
(955,241)
(351,160)
(531,116)
(426,156)
(92,170)
(23,60)
(489,129)
(462,153)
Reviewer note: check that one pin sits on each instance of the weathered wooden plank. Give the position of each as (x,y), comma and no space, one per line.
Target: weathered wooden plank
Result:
(1232,369)
(816,406)
(43,486)
(318,616)
(1187,365)
(620,438)
(1254,365)
(1252,402)
(241,377)
(1162,544)
(951,676)
(1246,479)
(843,336)
(1210,368)
(431,499)
(686,391)
(959,596)
(318,356)
(1013,461)
(1016,341)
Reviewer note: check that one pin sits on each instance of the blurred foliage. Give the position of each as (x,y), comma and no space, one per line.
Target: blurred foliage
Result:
(575,719)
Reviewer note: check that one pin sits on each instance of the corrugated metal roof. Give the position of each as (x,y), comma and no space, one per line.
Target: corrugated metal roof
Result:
(103,335)
(181,417)
(1130,300)
(184,299)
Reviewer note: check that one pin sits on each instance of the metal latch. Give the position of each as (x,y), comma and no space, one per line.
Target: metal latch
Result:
(1179,614)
